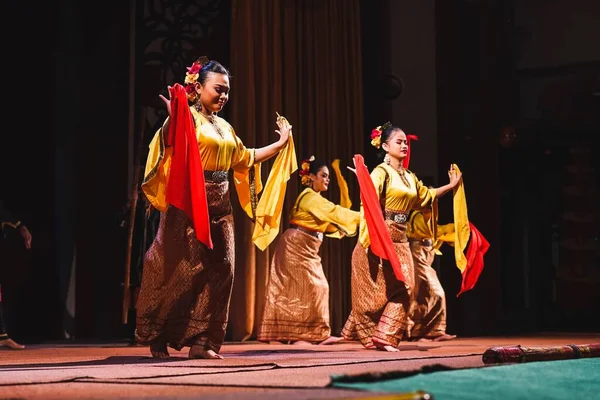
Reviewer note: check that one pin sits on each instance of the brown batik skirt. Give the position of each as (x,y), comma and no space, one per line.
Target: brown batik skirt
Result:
(380,302)
(186,287)
(428,311)
(297,295)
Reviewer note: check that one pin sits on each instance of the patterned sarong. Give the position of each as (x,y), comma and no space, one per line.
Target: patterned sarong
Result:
(186,287)
(380,302)
(297,295)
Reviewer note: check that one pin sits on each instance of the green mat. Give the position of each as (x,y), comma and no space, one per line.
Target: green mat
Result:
(565,379)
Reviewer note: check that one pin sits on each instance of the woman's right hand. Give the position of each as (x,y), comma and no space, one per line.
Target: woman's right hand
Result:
(167,101)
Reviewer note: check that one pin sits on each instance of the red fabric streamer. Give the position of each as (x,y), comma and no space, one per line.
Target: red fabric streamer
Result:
(381,242)
(186,186)
(478,246)
(406,160)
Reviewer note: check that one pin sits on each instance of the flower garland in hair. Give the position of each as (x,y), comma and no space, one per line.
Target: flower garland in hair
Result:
(376,134)
(191,78)
(305,171)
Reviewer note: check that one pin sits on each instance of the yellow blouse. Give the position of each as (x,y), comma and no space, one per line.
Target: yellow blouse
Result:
(314,212)
(419,228)
(218,153)
(398,197)
(445,234)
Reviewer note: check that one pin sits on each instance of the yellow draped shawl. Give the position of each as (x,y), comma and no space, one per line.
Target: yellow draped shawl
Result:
(270,205)
(456,234)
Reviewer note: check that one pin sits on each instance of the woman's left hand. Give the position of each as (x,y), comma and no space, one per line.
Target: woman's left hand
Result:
(284,131)
(454,176)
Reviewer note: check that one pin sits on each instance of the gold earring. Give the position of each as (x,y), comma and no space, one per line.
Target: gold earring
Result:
(198,105)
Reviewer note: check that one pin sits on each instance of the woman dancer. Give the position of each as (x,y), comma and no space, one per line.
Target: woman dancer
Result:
(380,302)
(297,297)
(186,285)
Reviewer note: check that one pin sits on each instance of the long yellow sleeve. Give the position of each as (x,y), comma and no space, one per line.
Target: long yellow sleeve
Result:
(344,193)
(248,184)
(462,231)
(156,174)
(270,205)
(318,214)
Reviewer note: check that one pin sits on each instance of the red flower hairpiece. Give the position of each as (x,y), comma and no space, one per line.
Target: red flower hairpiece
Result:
(191,78)
(376,134)
(305,171)
(195,68)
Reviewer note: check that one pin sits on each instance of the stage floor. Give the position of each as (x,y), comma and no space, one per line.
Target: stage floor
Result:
(249,370)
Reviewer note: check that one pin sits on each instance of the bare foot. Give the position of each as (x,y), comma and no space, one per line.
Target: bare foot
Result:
(8,342)
(302,342)
(331,340)
(444,337)
(201,352)
(159,350)
(424,339)
(384,346)
(387,347)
